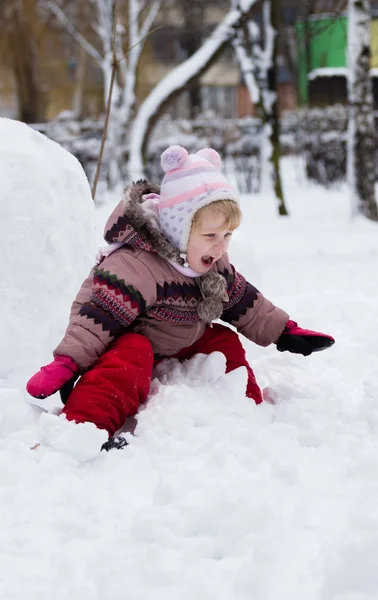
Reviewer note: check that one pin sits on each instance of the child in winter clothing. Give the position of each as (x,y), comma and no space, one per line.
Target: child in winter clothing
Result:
(162,281)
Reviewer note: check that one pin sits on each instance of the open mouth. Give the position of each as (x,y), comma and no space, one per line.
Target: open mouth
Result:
(207,261)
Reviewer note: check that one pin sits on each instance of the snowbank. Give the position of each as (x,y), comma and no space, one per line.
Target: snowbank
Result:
(47,245)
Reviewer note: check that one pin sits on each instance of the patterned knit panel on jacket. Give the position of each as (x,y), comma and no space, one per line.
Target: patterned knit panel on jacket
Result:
(242,296)
(116,305)
(176,303)
(123,231)
(113,303)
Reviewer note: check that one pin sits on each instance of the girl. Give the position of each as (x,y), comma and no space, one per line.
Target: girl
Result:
(163,280)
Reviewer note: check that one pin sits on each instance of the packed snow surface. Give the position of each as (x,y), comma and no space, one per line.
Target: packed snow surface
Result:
(214,497)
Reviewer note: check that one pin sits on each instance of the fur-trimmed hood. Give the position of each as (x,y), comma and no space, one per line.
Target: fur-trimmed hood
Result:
(134,224)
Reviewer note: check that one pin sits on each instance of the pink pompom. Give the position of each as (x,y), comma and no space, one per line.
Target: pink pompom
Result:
(173,158)
(211,155)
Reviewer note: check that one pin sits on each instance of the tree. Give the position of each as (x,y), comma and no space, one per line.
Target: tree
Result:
(361,130)
(129,42)
(272,115)
(258,64)
(20,30)
(191,41)
(173,83)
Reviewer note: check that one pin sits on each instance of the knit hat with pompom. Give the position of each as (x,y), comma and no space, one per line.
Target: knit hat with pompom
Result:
(191,181)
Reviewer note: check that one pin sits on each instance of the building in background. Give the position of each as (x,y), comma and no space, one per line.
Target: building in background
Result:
(322,58)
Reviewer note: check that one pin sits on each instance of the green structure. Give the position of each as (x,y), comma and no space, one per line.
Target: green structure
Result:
(322,44)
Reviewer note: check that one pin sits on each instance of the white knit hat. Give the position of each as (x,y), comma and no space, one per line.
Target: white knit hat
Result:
(191,181)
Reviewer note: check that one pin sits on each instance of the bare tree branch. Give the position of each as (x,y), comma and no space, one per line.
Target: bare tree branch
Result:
(150,18)
(108,105)
(71,29)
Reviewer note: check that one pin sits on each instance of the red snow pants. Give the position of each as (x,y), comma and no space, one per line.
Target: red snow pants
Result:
(119,382)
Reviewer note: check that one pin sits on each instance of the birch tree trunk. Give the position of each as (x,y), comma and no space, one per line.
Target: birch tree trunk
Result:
(107,27)
(258,66)
(78,93)
(272,115)
(361,129)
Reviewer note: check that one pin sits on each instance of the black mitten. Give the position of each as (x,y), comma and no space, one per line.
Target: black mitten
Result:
(302,341)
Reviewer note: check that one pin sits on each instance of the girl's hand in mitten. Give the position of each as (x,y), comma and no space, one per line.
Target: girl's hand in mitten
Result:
(52,377)
(302,341)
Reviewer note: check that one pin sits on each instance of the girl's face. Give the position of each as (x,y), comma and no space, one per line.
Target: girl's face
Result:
(208,241)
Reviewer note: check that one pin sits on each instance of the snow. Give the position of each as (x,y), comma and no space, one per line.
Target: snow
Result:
(47,239)
(215,497)
(334,72)
(328,72)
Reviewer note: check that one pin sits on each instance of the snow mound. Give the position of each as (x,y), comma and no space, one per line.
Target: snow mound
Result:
(47,246)
(82,441)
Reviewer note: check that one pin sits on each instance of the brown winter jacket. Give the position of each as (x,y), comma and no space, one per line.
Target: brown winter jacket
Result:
(136,289)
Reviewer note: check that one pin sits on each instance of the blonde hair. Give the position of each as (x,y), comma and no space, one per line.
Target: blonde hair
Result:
(229,208)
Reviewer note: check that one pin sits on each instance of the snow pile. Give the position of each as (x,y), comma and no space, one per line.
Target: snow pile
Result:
(47,246)
(216,497)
